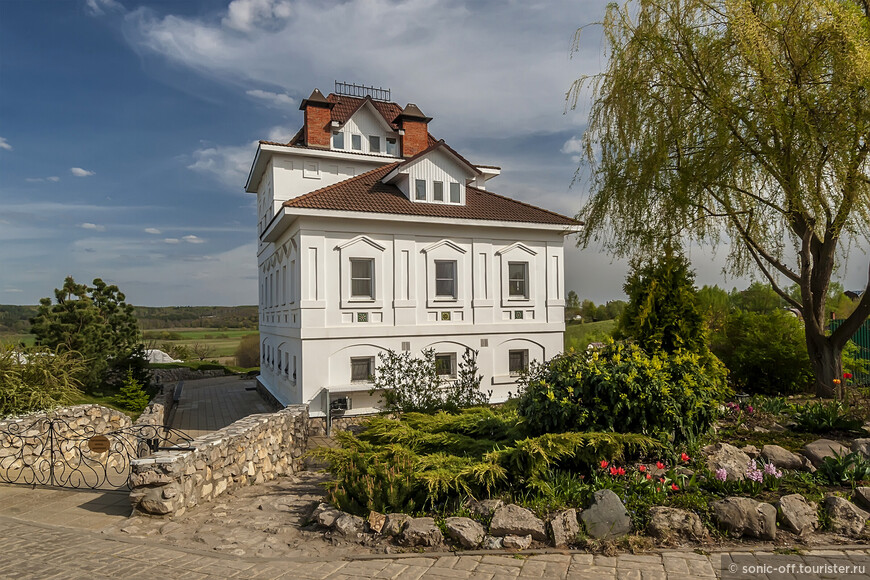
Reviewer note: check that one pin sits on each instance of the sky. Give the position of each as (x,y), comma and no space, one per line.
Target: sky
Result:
(127,127)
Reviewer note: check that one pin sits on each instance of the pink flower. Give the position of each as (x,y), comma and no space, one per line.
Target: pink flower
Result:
(721,474)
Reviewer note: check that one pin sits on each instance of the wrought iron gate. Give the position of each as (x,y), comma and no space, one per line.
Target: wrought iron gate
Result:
(53,451)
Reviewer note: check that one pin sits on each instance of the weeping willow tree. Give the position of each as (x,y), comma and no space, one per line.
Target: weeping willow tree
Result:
(744,122)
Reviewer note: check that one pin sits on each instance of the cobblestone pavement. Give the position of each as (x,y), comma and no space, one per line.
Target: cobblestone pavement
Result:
(43,551)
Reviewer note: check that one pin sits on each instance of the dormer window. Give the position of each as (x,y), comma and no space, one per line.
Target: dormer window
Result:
(392,148)
(420,189)
(374,144)
(454,192)
(356,142)
(337,140)
(438,191)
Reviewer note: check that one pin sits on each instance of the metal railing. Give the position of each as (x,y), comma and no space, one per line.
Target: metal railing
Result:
(862,341)
(354,90)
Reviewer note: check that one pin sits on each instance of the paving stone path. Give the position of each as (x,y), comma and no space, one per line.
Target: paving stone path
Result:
(207,405)
(43,551)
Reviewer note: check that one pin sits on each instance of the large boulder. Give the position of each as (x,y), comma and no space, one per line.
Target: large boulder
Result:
(797,515)
(821,448)
(845,517)
(395,524)
(466,531)
(565,527)
(668,524)
(781,457)
(421,532)
(517,542)
(606,517)
(727,457)
(861,496)
(742,516)
(861,446)
(484,508)
(348,524)
(512,520)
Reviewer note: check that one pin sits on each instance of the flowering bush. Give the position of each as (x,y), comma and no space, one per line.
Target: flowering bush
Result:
(621,388)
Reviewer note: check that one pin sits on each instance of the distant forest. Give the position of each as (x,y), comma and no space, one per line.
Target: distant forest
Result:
(16,319)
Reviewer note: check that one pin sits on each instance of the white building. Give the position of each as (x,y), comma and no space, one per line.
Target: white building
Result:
(373,235)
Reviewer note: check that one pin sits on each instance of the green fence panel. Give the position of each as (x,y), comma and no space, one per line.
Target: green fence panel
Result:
(862,340)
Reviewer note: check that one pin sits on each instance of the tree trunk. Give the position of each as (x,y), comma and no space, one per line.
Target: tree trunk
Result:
(827,366)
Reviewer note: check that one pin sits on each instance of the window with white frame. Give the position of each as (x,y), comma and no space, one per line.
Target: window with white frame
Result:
(337,140)
(362,284)
(420,189)
(438,191)
(392,148)
(374,144)
(518,279)
(362,369)
(356,142)
(518,361)
(445,278)
(445,365)
(454,192)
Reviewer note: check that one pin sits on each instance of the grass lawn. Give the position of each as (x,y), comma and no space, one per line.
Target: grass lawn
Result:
(578,336)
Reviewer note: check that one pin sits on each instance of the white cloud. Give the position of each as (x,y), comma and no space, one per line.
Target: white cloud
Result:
(4,144)
(572,145)
(53,178)
(278,100)
(488,72)
(191,239)
(153,231)
(230,163)
(246,15)
(79,172)
(98,7)
(90,226)
(171,240)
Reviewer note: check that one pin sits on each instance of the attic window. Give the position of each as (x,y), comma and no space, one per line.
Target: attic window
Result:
(420,189)
(374,144)
(454,192)
(391,147)
(438,191)
(337,140)
(356,142)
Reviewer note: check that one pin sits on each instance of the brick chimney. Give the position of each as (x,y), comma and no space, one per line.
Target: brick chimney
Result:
(416,127)
(318,120)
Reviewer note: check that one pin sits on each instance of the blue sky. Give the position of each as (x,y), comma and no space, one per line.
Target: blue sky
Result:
(127,127)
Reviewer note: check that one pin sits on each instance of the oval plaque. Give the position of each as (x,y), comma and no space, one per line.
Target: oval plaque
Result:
(98,444)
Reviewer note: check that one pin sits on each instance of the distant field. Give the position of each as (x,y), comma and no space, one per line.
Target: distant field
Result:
(578,336)
(222,342)
(27,339)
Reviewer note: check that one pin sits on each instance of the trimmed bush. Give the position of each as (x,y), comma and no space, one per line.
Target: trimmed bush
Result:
(623,389)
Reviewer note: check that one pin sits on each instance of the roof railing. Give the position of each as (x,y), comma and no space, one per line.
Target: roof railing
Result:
(355,90)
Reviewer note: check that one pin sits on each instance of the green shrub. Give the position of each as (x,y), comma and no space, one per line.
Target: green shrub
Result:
(133,396)
(765,352)
(248,352)
(823,417)
(410,384)
(623,389)
(37,379)
(844,469)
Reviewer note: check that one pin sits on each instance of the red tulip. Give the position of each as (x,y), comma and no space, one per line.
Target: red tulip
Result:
(847,375)
(620,471)
(660,465)
(675,487)
(604,464)
(684,457)
(641,468)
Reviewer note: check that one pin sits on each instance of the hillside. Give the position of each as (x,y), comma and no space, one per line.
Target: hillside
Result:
(16,319)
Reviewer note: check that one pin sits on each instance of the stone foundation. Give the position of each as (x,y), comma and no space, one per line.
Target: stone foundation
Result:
(252,450)
(353,424)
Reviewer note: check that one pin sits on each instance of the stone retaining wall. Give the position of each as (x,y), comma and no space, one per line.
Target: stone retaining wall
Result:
(23,440)
(252,450)
(157,410)
(161,376)
(353,424)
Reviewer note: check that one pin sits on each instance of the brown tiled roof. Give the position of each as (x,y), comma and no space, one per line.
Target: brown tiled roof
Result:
(346,106)
(366,193)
